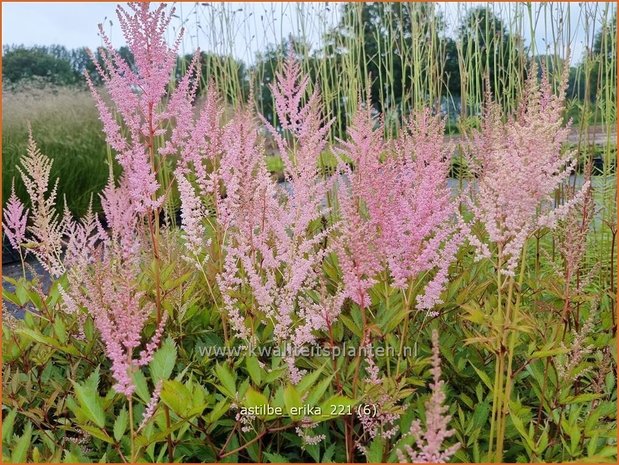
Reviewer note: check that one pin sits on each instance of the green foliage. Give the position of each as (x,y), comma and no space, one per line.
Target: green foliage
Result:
(58,398)
(59,403)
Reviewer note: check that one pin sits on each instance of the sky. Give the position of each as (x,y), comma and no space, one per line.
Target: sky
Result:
(243,29)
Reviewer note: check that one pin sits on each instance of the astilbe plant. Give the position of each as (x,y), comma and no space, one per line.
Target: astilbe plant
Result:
(398,220)
(397,212)
(45,228)
(519,162)
(429,442)
(274,246)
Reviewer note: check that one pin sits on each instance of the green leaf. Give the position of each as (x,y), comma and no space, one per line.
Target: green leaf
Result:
(176,396)
(60,330)
(275,458)
(350,324)
(7,426)
(254,398)
(253,368)
(394,321)
(293,402)
(21,293)
(141,386)
(328,455)
(582,398)
(480,416)
(517,422)
(20,452)
(97,433)
(163,361)
(46,340)
(549,352)
(120,424)
(484,377)
(317,393)
(375,451)
(224,376)
(309,380)
(89,399)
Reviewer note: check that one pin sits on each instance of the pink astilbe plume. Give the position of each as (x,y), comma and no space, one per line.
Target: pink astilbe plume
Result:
(138,94)
(519,163)
(397,213)
(429,446)
(82,239)
(419,229)
(122,219)
(274,247)
(120,313)
(192,215)
(15,220)
(358,246)
(46,229)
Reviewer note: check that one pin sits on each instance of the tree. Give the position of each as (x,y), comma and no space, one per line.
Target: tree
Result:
(53,64)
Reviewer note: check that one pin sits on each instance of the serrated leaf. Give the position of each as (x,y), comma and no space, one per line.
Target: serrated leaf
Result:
(97,433)
(20,451)
(582,398)
(176,396)
(253,368)
(549,352)
(163,361)
(317,393)
(484,377)
(120,424)
(89,399)
(309,380)
(293,402)
(141,386)
(7,426)
(228,384)
(275,458)
(254,398)
(375,451)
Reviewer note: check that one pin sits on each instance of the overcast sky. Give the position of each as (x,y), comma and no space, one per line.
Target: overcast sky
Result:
(249,27)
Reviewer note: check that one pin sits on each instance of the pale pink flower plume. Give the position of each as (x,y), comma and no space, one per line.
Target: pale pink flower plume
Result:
(358,245)
(429,447)
(151,407)
(519,163)
(15,220)
(138,95)
(272,249)
(120,313)
(46,228)
(397,212)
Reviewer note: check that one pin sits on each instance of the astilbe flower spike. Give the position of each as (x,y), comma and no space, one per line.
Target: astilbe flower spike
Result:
(358,246)
(398,214)
(15,220)
(138,94)
(429,442)
(272,247)
(519,164)
(46,229)
(420,225)
(120,313)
